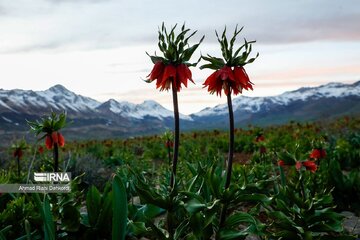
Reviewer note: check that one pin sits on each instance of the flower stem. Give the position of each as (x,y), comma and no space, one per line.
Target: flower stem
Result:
(170,213)
(176,140)
(230,154)
(169,153)
(231,142)
(56,157)
(18,165)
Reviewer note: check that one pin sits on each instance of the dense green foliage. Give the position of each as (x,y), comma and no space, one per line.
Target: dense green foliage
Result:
(124,184)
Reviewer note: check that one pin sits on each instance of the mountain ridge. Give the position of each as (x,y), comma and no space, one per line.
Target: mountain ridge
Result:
(112,118)
(283,98)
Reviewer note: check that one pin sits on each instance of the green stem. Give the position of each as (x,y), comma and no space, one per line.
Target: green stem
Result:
(231,142)
(170,213)
(169,219)
(18,165)
(169,152)
(56,157)
(282,176)
(302,186)
(230,154)
(177,136)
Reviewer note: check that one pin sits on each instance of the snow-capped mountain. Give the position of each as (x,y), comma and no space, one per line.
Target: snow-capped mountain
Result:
(112,118)
(89,118)
(148,108)
(58,98)
(261,104)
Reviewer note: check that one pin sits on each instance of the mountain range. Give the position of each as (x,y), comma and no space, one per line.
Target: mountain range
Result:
(93,119)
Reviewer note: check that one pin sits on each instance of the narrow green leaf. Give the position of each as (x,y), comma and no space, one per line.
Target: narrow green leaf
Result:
(3,231)
(155,59)
(27,229)
(105,215)
(93,205)
(137,228)
(119,210)
(46,216)
(194,206)
(181,229)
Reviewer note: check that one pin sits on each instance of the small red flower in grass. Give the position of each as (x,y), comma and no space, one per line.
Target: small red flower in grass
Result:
(41,150)
(18,153)
(298,165)
(169,144)
(262,150)
(281,163)
(260,138)
(318,153)
(310,165)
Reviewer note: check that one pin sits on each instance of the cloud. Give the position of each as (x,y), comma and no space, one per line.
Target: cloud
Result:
(99,24)
(78,1)
(309,72)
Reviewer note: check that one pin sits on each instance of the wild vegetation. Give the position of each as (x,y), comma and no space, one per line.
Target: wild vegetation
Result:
(283,182)
(271,195)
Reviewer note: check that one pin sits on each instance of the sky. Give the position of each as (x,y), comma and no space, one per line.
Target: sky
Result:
(96,48)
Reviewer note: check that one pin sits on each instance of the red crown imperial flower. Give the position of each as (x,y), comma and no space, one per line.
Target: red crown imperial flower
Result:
(173,68)
(229,74)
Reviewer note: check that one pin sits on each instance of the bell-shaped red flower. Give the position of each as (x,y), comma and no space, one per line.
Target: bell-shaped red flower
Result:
(183,74)
(242,80)
(172,69)
(281,163)
(61,140)
(18,153)
(157,71)
(310,165)
(318,153)
(227,78)
(230,74)
(260,138)
(41,150)
(298,165)
(169,144)
(54,137)
(49,144)
(165,75)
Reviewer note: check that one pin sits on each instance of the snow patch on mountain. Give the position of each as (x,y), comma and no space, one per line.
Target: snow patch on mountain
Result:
(148,108)
(324,91)
(6,119)
(57,97)
(3,104)
(256,104)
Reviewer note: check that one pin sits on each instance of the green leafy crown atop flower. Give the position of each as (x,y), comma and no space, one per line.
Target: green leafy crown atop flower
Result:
(175,48)
(48,124)
(230,57)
